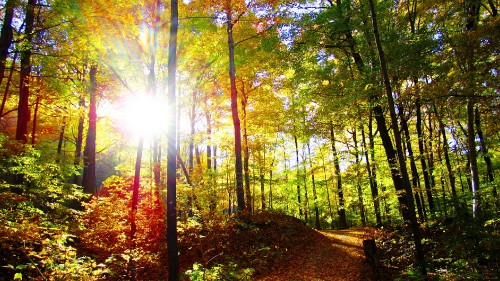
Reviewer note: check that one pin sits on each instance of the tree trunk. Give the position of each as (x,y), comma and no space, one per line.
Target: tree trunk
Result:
(409,207)
(79,140)
(298,173)
(415,179)
(472,14)
(317,223)
(361,205)
(373,181)
(135,202)
(234,111)
(35,120)
(446,149)
(173,256)
(246,152)
(89,176)
(336,163)
(423,163)
(7,86)
(6,36)
(23,111)
(484,151)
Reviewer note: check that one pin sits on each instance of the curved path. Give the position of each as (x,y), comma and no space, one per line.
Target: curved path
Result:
(336,255)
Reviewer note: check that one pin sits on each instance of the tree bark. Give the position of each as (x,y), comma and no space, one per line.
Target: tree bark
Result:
(408,208)
(415,179)
(79,141)
(246,152)
(484,151)
(6,36)
(23,111)
(298,173)
(173,256)
(336,163)
(371,175)
(317,223)
(423,163)
(240,194)
(89,176)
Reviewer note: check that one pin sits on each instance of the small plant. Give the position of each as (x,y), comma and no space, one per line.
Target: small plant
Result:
(219,272)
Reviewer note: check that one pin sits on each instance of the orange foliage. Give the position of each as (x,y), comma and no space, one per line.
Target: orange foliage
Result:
(107,230)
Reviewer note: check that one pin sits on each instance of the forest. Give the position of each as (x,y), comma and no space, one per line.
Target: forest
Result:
(236,139)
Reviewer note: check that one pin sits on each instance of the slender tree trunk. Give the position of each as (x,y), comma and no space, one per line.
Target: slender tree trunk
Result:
(7,86)
(446,149)
(6,36)
(361,205)
(336,163)
(373,182)
(327,189)
(173,257)
(423,163)
(23,111)
(262,190)
(415,179)
(152,89)
(133,211)
(79,140)
(484,151)
(472,13)
(35,120)
(317,223)
(89,176)
(411,218)
(246,151)
(234,111)
(298,173)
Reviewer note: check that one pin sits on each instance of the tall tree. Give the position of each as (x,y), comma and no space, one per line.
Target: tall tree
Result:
(23,111)
(6,36)
(89,172)
(173,256)
(240,193)
(410,207)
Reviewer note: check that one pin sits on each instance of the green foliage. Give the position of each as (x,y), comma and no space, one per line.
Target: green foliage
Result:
(219,272)
(36,218)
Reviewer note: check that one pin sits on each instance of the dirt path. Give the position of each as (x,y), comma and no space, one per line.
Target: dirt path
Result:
(336,255)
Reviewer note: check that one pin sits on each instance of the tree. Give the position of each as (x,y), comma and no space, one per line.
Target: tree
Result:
(89,172)
(409,208)
(23,111)
(173,258)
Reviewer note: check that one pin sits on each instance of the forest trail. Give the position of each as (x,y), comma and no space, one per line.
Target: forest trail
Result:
(335,255)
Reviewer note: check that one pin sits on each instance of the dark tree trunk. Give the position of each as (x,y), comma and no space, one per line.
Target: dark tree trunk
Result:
(484,151)
(298,173)
(361,205)
(35,120)
(7,86)
(23,111)
(408,208)
(79,141)
(6,36)
(135,202)
(173,256)
(336,163)
(246,152)
(89,176)
(262,190)
(317,223)
(472,13)
(415,179)
(371,175)
(423,163)
(446,149)
(240,194)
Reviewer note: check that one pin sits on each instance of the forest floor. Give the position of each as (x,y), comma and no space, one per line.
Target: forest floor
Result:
(334,255)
